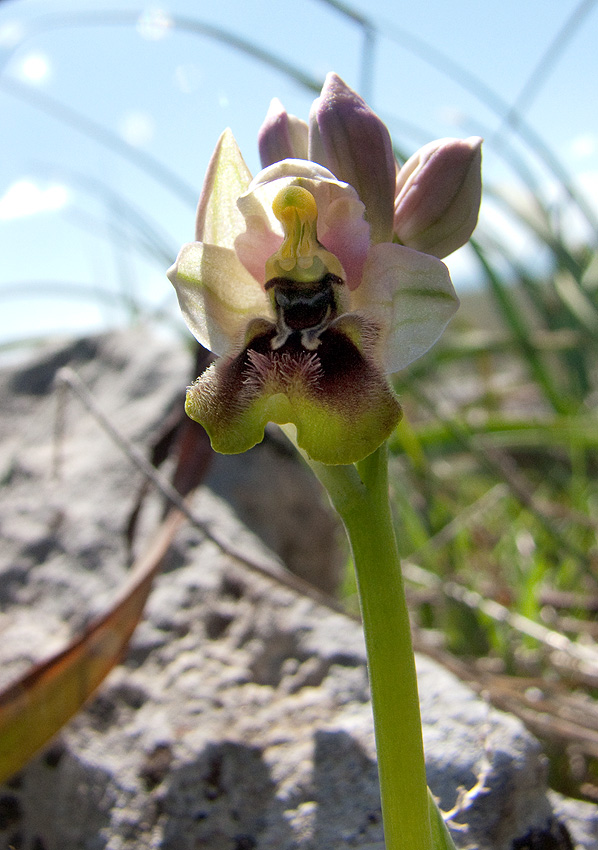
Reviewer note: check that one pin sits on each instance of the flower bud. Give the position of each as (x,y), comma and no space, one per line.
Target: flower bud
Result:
(438,194)
(349,139)
(281,136)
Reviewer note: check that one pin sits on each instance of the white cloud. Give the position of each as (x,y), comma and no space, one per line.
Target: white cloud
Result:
(188,77)
(138,128)
(154,23)
(24,198)
(34,68)
(11,33)
(584,145)
(587,183)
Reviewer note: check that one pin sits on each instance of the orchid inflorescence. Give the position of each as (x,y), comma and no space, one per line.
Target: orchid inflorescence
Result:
(319,277)
(313,282)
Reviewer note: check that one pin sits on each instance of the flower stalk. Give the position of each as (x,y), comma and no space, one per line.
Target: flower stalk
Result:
(360,495)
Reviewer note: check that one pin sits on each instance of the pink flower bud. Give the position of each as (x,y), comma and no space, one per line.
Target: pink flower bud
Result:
(349,139)
(281,136)
(438,194)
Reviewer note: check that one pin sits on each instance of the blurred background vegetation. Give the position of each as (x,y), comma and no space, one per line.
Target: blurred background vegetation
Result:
(494,465)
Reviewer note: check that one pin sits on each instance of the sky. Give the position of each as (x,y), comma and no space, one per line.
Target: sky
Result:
(110,112)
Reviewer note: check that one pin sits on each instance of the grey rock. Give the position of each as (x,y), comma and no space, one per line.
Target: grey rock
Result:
(277,497)
(240,718)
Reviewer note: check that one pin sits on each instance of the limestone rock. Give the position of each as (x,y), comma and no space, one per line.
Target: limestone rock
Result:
(240,717)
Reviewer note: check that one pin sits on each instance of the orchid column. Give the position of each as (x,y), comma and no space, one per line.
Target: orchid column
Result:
(313,282)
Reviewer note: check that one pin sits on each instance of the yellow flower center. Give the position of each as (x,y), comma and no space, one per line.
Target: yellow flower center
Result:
(296,210)
(300,257)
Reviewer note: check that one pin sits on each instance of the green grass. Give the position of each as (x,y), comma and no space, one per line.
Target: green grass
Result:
(496,495)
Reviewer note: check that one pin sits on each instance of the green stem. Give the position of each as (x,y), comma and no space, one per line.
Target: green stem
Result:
(363,504)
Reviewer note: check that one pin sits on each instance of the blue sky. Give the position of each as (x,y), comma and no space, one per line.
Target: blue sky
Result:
(75,209)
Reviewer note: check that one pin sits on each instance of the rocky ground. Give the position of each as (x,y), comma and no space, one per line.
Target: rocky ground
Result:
(240,717)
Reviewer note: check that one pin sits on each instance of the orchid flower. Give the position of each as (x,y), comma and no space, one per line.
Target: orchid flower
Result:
(295,283)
